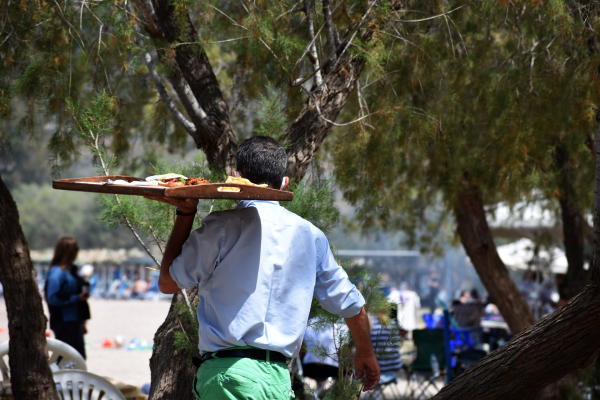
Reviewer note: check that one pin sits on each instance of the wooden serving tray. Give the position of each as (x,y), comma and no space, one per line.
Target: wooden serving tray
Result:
(97,184)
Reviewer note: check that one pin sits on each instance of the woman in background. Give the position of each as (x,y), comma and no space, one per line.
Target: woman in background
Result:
(63,296)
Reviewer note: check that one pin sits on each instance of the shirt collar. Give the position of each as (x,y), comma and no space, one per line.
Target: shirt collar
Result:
(248,203)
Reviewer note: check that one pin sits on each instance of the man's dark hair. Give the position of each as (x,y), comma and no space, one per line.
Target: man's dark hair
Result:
(262,159)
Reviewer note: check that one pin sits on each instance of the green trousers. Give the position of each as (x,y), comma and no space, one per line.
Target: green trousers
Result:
(242,379)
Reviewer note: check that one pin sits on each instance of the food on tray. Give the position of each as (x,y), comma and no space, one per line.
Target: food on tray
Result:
(170,180)
(242,181)
(196,181)
(228,189)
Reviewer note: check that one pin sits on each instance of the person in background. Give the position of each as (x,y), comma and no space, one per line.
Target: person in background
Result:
(465,296)
(320,366)
(433,282)
(63,297)
(469,310)
(409,303)
(83,286)
(87,273)
(385,338)
(140,287)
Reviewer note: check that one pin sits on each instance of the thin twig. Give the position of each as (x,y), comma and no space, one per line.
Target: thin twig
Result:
(5,39)
(436,16)
(313,48)
(409,42)
(157,240)
(259,38)
(62,16)
(331,122)
(347,44)
(217,42)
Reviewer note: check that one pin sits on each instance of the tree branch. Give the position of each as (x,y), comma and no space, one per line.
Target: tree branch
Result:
(310,128)
(189,127)
(313,55)
(330,33)
(437,16)
(196,86)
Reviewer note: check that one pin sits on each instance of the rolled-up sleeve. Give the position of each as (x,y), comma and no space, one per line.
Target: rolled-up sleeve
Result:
(333,288)
(199,255)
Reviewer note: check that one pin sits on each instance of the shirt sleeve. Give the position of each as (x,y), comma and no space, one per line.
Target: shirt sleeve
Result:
(54,295)
(333,288)
(199,255)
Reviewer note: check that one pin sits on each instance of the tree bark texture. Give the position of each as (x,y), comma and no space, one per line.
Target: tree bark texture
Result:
(595,276)
(572,222)
(171,371)
(30,373)
(214,134)
(541,354)
(309,130)
(477,239)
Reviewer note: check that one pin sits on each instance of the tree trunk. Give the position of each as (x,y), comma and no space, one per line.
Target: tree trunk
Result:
(30,373)
(572,221)
(214,134)
(171,371)
(309,130)
(551,348)
(564,341)
(478,242)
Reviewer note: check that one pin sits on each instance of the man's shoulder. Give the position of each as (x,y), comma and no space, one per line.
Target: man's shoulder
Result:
(226,215)
(280,215)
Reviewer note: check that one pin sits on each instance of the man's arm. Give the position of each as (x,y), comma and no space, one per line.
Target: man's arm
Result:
(179,235)
(365,362)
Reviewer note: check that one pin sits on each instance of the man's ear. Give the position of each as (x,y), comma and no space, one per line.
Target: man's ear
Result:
(237,174)
(285,182)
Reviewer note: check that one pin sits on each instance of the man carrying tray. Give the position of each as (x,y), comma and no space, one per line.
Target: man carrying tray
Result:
(257,268)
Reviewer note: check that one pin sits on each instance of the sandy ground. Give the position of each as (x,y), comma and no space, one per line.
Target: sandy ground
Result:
(140,319)
(111,318)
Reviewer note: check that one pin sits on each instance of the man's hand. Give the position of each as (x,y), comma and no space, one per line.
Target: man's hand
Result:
(367,365)
(365,362)
(184,205)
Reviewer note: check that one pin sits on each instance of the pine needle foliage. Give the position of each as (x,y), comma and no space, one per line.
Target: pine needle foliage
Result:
(271,119)
(478,98)
(313,201)
(53,52)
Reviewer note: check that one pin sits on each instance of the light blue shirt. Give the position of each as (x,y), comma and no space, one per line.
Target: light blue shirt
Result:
(258,267)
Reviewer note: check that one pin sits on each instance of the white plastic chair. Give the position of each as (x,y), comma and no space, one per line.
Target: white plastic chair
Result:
(55,348)
(73,384)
